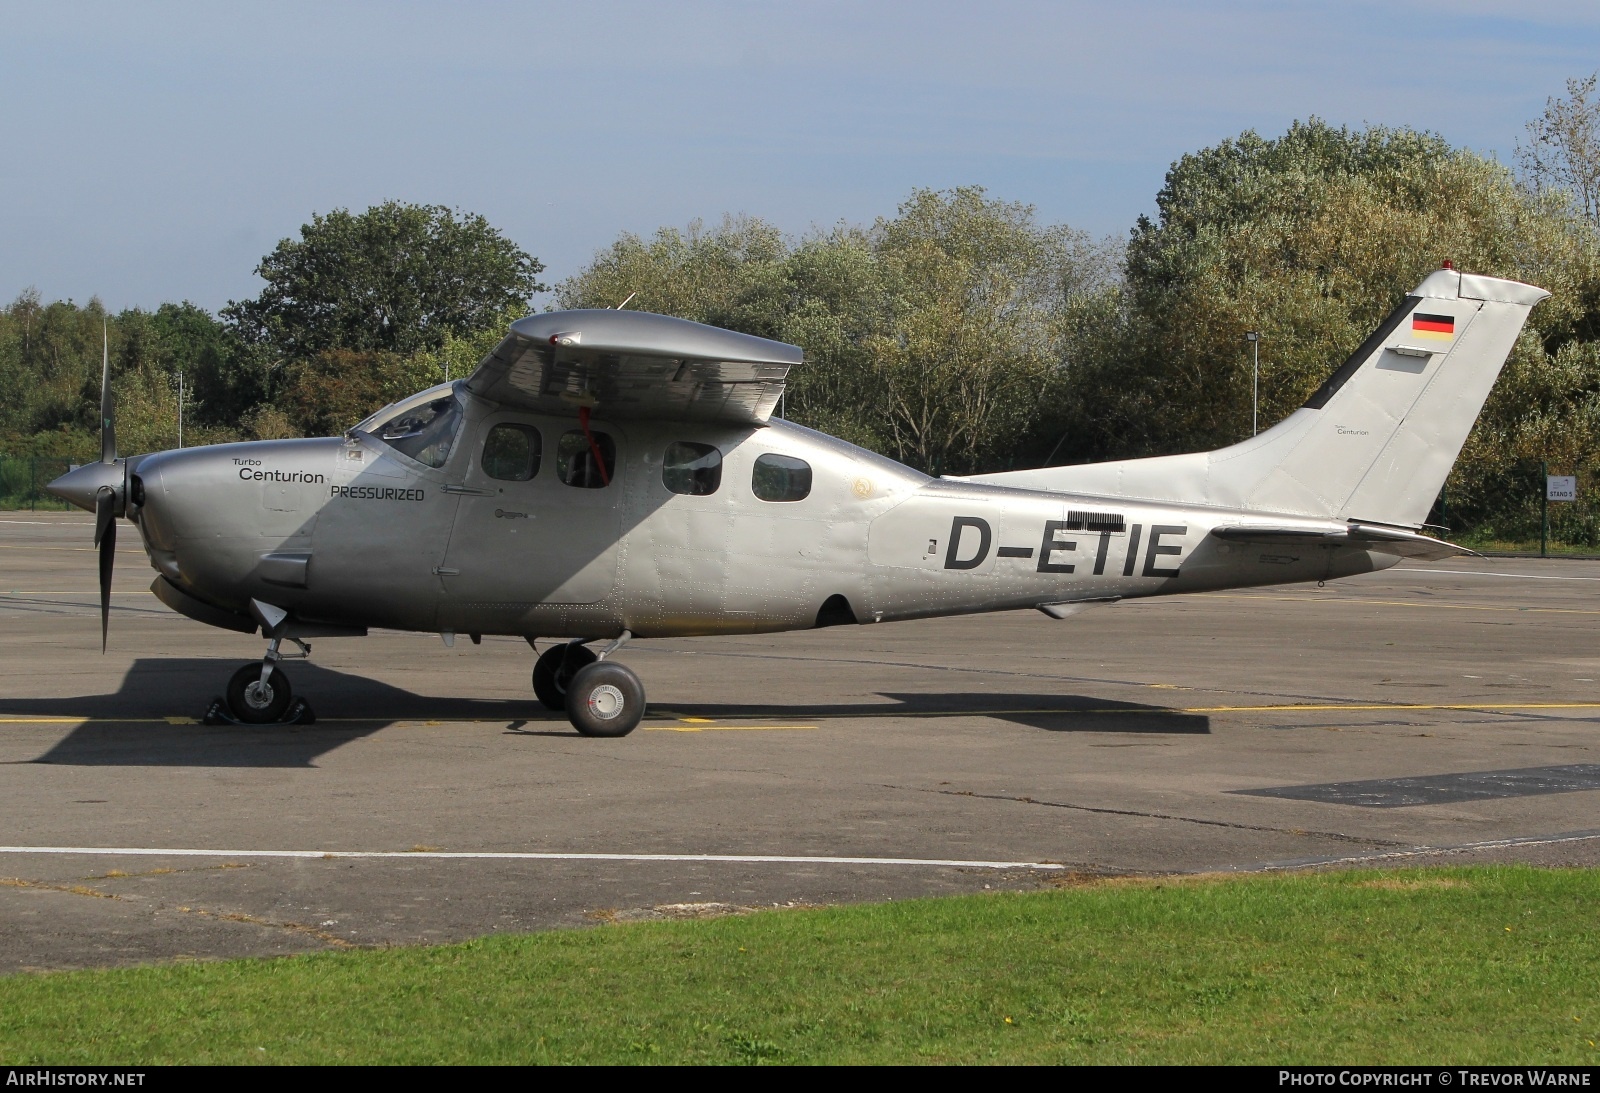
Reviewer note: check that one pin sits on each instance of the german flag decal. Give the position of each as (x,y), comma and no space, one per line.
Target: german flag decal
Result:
(1439,327)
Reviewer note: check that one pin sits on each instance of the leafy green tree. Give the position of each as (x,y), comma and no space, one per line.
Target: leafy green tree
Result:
(397,279)
(1563,148)
(931,336)
(1309,238)
(339,387)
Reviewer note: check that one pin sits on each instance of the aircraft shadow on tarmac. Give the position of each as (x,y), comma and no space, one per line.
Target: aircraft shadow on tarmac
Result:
(348,708)
(1049,712)
(130,728)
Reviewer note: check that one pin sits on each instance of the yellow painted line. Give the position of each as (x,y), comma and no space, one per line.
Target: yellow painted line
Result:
(90,592)
(723,728)
(714,727)
(1406,603)
(1405,706)
(59,720)
(52,548)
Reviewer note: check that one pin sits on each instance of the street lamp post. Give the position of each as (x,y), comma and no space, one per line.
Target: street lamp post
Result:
(1254,338)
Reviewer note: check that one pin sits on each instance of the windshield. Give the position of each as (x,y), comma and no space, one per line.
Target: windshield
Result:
(425,430)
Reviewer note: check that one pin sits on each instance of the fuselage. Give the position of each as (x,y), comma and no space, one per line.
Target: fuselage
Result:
(692,529)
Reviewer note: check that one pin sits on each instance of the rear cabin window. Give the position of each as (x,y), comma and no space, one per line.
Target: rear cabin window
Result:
(575,459)
(690,468)
(781,478)
(511,453)
(426,433)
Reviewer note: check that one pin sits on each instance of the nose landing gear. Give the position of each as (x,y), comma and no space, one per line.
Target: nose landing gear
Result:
(260,694)
(601,697)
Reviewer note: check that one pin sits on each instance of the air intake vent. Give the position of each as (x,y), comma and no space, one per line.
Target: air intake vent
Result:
(1096,521)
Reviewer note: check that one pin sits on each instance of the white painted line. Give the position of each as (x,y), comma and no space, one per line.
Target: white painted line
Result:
(1430,851)
(1475,573)
(507,855)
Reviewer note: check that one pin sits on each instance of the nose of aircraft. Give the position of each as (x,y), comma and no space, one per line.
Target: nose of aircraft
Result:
(80,486)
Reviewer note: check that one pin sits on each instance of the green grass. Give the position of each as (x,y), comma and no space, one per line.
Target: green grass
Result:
(1479,965)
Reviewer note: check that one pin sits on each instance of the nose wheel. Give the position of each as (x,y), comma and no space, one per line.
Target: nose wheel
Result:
(259,693)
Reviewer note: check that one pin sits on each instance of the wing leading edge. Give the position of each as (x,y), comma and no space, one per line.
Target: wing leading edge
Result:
(633,364)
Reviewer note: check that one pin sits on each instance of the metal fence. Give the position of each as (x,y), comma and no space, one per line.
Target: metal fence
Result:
(23,479)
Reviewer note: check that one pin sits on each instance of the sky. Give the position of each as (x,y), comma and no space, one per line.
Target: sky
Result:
(155,152)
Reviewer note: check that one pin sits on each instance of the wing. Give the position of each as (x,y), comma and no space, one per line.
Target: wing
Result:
(632,364)
(1383,540)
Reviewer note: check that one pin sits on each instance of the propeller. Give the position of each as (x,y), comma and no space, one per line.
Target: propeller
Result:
(100,487)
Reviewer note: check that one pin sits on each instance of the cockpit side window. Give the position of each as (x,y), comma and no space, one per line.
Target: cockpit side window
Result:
(424,431)
(511,453)
(575,459)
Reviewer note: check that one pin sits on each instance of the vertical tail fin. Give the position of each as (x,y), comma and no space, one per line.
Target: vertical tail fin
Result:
(1374,443)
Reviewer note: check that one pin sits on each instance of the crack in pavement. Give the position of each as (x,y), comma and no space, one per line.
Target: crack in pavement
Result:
(1337,836)
(1422,851)
(254,920)
(224,916)
(71,889)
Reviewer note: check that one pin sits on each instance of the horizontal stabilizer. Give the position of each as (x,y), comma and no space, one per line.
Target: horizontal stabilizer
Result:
(1381,540)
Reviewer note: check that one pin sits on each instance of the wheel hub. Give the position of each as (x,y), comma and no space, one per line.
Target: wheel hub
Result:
(258,695)
(606,702)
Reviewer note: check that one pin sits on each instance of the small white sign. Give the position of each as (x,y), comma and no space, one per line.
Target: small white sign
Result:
(1561,487)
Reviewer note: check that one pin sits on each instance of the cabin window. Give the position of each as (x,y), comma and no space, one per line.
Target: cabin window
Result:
(575,459)
(424,431)
(511,453)
(694,469)
(781,478)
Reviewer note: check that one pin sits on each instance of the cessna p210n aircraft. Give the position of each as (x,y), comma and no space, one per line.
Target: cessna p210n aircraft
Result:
(608,475)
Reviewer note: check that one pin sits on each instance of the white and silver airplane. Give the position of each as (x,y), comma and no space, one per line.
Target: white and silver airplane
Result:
(609,475)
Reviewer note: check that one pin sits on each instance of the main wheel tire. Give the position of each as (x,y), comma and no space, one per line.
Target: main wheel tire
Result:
(553,672)
(250,700)
(605,699)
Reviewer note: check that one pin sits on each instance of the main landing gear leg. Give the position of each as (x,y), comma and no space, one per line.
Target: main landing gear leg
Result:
(601,697)
(260,694)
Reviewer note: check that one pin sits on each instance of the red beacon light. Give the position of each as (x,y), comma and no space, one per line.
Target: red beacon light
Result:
(1448,264)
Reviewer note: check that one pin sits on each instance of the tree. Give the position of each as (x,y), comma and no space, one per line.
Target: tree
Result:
(1310,238)
(931,336)
(339,387)
(395,279)
(1563,149)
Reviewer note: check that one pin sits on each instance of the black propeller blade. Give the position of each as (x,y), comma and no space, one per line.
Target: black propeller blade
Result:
(105,537)
(105,499)
(108,427)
